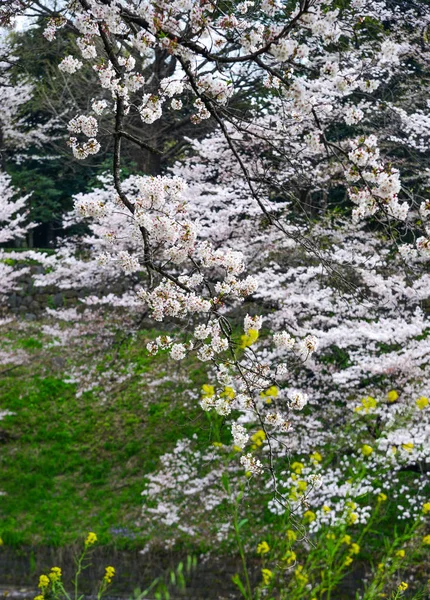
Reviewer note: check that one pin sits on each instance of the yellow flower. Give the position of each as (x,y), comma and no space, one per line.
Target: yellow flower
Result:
(270,392)
(237,449)
(228,392)
(291,535)
(426,508)
(316,457)
(43,581)
(39,597)
(348,561)
(302,485)
(347,540)
(422,402)
(267,576)
(403,586)
(330,536)
(302,577)
(352,518)
(217,444)
(290,557)
(392,396)
(55,574)
(400,553)
(309,516)
(368,403)
(381,566)
(355,548)
(208,390)
(110,573)
(382,497)
(408,447)
(426,540)
(326,508)
(263,548)
(297,467)
(366,450)
(249,338)
(258,437)
(91,539)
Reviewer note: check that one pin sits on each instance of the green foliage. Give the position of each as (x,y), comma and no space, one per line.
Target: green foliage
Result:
(77,463)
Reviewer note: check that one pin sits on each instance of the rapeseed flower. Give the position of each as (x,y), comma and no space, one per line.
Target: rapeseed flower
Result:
(263,548)
(91,539)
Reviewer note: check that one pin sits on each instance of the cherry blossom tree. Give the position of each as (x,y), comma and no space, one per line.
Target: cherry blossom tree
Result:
(318,74)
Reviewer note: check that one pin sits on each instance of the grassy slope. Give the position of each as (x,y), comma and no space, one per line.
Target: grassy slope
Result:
(78,464)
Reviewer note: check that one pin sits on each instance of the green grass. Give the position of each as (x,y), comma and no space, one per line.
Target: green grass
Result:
(76,464)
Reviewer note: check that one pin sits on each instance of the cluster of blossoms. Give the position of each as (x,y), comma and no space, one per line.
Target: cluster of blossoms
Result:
(382,183)
(89,127)
(421,251)
(70,65)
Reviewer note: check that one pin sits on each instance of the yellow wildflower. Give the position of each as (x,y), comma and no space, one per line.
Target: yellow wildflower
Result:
(403,586)
(426,540)
(290,557)
(408,446)
(330,536)
(400,553)
(302,577)
(228,392)
(272,392)
(297,467)
(249,338)
(208,390)
(355,548)
(422,402)
(309,516)
(382,497)
(426,508)
(351,504)
(316,457)
(381,566)
(109,574)
(347,540)
(267,576)
(263,548)
(348,561)
(43,581)
(217,444)
(237,449)
(39,597)
(302,485)
(368,404)
(55,574)
(352,518)
(258,437)
(291,535)
(366,450)
(326,508)
(91,539)
(392,396)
